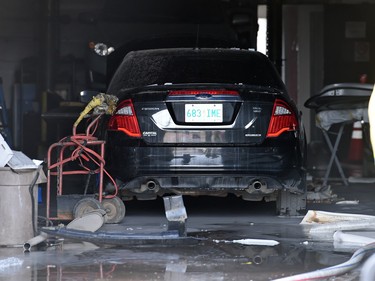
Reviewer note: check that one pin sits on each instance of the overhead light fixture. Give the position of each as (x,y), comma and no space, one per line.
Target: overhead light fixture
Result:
(101,49)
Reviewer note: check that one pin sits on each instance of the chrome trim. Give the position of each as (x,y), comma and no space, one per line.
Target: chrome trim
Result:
(251,123)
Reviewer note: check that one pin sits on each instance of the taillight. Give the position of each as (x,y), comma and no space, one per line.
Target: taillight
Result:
(125,119)
(283,119)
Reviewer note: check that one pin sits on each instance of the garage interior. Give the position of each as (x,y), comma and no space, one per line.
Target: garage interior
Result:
(47,58)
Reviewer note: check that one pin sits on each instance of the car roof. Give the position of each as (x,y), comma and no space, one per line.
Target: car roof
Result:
(195,65)
(181,51)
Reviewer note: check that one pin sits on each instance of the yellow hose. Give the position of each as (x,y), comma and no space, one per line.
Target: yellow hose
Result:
(96,101)
(101,103)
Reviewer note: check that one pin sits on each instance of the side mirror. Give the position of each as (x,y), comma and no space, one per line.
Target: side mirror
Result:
(86,96)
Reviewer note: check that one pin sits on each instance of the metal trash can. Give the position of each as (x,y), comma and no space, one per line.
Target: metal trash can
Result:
(16,205)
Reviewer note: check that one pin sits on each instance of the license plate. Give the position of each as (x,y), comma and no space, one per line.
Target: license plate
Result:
(204,113)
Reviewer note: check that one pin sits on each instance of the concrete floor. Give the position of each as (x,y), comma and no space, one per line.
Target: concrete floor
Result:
(218,230)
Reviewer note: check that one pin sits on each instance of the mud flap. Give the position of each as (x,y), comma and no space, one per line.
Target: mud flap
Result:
(175,213)
(290,204)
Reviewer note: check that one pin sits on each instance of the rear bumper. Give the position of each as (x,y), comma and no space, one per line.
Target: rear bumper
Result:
(200,170)
(137,158)
(251,188)
(227,182)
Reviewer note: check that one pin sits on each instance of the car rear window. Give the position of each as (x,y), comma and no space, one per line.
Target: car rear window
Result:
(180,66)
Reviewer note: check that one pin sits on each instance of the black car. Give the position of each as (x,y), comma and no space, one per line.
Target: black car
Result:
(205,121)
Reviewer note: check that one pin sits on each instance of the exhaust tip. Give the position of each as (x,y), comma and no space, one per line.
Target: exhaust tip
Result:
(258,260)
(257,185)
(151,185)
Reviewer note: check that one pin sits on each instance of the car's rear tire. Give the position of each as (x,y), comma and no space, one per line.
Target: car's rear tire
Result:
(290,204)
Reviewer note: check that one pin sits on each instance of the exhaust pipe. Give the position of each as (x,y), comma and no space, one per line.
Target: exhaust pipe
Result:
(151,185)
(257,184)
(257,259)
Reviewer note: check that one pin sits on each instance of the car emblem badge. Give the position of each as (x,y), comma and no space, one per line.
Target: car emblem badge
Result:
(149,134)
(203,96)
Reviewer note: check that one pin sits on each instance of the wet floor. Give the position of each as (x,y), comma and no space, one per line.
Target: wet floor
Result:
(204,261)
(219,231)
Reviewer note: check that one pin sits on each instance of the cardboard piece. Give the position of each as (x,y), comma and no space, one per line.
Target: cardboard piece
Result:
(5,152)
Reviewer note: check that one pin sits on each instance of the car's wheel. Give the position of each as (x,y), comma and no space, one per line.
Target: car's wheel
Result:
(115,209)
(290,204)
(85,205)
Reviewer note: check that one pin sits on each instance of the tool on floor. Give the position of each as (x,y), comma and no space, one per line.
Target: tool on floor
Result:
(88,222)
(88,228)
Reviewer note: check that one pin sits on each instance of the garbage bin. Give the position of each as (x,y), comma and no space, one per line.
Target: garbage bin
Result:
(17,203)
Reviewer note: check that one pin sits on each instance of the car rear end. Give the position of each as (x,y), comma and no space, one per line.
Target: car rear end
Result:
(208,123)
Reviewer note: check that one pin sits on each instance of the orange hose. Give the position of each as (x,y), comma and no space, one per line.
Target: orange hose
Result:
(82,153)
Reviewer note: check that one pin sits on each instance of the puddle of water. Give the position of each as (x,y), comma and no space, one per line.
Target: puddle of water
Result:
(207,260)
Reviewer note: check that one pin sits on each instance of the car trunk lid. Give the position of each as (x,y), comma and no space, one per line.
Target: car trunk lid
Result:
(206,117)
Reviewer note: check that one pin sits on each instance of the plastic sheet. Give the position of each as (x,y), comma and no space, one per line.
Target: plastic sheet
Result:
(325,119)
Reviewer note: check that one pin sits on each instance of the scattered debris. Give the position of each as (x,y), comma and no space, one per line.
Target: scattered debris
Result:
(257,242)
(322,217)
(90,221)
(320,194)
(354,240)
(326,225)
(175,213)
(251,242)
(322,225)
(348,202)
